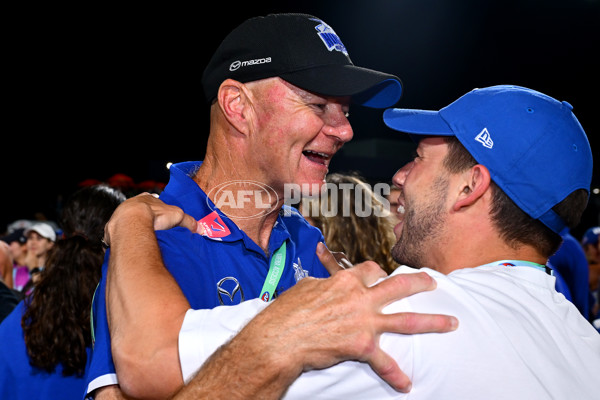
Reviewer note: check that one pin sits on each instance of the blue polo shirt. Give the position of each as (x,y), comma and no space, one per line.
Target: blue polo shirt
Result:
(224,267)
(20,380)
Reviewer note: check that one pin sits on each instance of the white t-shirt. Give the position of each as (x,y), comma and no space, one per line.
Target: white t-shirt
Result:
(517,339)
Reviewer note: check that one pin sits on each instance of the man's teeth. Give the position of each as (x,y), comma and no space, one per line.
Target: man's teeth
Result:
(401,209)
(310,152)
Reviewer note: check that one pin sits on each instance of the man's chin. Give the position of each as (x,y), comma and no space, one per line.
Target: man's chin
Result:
(400,255)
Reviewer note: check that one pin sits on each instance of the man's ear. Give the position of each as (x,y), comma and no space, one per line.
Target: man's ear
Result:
(234,104)
(475,184)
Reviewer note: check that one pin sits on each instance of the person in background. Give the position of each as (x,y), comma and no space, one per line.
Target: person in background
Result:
(17,242)
(40,239)
(572,266)
(45,343)
(358,224)
(591,247)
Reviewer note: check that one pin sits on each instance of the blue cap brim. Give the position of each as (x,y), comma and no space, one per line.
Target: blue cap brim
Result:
(385,94)
(417,122)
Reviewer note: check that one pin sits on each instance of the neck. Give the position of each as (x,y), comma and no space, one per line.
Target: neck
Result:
(453,263)
(466,251)
(20,260)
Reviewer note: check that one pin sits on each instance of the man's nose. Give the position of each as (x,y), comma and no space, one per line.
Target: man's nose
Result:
(337,124)
(400,175)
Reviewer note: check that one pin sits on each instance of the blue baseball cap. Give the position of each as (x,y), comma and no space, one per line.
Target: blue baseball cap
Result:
(533,145)
(591,236)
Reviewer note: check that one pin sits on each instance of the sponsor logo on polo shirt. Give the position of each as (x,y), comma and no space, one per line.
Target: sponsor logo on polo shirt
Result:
(229,288)
(213,226)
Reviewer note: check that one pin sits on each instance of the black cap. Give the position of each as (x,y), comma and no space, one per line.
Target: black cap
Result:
(17,235)
(304,51)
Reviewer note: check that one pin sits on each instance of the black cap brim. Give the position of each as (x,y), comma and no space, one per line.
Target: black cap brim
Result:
(366,87)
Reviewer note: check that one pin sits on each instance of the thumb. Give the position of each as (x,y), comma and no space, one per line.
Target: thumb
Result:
(328,259)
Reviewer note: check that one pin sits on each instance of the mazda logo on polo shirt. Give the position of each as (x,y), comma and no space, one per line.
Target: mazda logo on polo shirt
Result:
(230,287)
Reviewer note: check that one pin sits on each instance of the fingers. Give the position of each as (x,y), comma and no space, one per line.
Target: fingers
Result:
(342,259)
(368,272)
(402,285)
(190,223)
(149,208)
(327,259)
(410,323)
(387,368)
(393,288)
(166,216)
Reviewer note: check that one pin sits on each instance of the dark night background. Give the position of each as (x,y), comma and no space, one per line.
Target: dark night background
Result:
(97,90)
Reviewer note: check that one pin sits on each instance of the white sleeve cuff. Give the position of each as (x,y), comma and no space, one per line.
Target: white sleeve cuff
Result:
(204,331)
(101,381)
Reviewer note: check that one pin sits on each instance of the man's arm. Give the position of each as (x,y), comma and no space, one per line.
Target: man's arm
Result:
(315,324)
(145,306)
(311,326)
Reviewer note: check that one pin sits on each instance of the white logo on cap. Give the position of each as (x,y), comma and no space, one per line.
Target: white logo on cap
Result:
(485,139)
(237,64)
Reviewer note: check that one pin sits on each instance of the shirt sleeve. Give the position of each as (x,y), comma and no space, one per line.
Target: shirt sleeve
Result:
(101,371)
(204,331)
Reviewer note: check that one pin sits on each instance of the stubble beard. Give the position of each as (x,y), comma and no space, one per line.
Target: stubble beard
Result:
(423,225)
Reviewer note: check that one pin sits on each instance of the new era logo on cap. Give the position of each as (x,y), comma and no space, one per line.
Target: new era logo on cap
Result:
(485,139)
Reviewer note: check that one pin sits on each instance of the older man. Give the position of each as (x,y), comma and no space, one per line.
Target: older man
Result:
(280,89)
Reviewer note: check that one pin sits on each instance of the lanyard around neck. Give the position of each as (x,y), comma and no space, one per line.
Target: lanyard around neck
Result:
(274,275)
